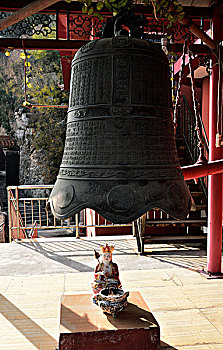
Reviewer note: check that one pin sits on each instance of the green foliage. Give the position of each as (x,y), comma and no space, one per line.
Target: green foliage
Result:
(48,138)
(113,6)
(6,98)
(170,9)
(11,93)
(48,124)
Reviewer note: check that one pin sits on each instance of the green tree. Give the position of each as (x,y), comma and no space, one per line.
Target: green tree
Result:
(48,124)
(43,82)
(171,9)
(11,92)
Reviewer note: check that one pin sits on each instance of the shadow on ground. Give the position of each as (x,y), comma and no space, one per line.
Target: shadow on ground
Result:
(26,326)
(190,256)
(69,253)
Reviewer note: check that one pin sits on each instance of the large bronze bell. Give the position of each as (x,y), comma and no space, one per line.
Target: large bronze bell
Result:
(120,156)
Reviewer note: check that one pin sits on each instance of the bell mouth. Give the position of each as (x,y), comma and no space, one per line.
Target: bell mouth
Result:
(120,203)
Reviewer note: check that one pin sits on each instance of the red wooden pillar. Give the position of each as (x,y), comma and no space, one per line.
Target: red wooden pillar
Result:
(214,246)
(66,56)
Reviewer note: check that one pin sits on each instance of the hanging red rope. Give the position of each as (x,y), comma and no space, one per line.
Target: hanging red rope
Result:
(179,84)
(201,159)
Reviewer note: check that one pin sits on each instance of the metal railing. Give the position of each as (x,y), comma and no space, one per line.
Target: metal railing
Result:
(27,213)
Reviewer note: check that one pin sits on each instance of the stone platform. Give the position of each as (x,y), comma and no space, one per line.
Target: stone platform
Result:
(84,326)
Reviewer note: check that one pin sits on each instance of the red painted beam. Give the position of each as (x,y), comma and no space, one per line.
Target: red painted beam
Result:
(75,44)
(14,5)
(198,32)
(66,56)
(42,44)
(200,170)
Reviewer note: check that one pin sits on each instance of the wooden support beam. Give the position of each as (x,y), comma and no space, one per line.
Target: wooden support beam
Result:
(199,33)
(41,44)
(194,28)
(200,170)
(24,12)
(53,44)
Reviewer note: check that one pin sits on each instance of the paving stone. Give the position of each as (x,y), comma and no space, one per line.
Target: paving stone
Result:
(188,307)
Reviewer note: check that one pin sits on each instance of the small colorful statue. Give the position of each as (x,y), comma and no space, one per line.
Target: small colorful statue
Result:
(108,293)
(106,272)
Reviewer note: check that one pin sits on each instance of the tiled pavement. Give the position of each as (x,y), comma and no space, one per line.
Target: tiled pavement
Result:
(34,275)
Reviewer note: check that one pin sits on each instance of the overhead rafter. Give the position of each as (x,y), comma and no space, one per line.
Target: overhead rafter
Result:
(12,5)
(24,12)
(41,44)
(199,33)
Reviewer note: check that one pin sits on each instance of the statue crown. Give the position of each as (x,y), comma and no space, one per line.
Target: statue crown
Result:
(107,248)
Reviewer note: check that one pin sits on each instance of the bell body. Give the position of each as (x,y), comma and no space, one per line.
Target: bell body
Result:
(120,156)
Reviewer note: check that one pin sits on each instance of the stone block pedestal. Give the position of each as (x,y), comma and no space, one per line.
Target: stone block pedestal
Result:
(83,326)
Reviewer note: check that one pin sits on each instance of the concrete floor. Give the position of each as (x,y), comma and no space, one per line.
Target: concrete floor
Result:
(34,275)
